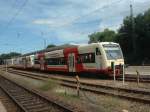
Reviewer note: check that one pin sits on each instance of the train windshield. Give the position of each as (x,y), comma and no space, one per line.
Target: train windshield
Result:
(113,51)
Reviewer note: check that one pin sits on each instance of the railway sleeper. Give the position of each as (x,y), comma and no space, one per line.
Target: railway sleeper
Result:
(24,98)
(19,91)
(44,109)
(37,106)
(32,103)
(29,100)
(22,95)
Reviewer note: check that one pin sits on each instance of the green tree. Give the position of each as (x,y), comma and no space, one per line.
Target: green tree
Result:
(51,45)
(106,35)
(125,36)
(9,55)
(140,39)
(134,43)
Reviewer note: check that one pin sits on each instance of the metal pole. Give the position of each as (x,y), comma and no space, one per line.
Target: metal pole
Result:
(123,72)
(133,29)
(44,43)
(6,65)
(138,77)
(43,40)
(114,72)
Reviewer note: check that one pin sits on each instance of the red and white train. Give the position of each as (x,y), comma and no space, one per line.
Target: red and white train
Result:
(95,58)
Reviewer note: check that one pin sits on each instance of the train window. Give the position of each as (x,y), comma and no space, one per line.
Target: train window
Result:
(79,60)
(36,61)
(56,61)
(98,51)
(86,58)
(62,61)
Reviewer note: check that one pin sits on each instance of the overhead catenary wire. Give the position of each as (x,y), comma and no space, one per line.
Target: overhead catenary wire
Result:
(13,6)
(74,21)
(15,15)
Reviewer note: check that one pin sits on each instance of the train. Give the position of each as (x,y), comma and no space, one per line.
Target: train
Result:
(97,58)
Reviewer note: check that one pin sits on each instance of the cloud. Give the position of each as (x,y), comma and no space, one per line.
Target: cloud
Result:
(44,22)
(94,16)
(64,21)
(52,23)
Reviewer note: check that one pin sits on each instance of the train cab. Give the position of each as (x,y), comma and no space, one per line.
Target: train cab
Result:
(113,57)
(98,58)
(30,61)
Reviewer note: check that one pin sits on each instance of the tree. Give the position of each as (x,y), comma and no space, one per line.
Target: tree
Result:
(51,45)
(9,55)
(130,40)
(125,36)
(106,35)
(141,38)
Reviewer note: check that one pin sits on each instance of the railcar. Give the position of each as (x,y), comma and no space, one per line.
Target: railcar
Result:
(96,58)
(29,61)
(18,62)
(55,61)
(9,62)
(36,62)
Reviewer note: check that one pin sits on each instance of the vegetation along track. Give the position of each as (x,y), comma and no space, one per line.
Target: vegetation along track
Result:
(30,100)
(125,93)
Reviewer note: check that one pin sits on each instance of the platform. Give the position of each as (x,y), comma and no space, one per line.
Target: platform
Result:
(144,71)
(2,108)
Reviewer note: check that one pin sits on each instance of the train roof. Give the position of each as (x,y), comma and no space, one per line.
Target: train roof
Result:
(97,43)
(51,49)
(63,47)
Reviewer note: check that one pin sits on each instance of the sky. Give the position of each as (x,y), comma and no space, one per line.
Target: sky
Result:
(26,24)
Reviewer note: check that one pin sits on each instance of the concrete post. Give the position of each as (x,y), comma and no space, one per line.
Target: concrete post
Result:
(78,85)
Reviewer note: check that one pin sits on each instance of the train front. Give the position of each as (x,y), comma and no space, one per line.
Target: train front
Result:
(114,60)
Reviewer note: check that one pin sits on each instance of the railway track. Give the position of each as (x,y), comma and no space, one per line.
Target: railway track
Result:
(134,79)
(30,100)
(9,105)
(129,94)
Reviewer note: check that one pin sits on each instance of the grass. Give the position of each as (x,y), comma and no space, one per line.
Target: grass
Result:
(69,96)
(1,72)
(49,85)
(104,103)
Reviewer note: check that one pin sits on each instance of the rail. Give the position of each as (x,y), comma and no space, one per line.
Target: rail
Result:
(125,93)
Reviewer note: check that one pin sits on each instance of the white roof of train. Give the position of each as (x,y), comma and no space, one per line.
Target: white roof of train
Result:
(95,43)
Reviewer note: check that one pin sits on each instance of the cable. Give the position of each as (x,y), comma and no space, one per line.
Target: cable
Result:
(13,6)
(16,14)
(103,7)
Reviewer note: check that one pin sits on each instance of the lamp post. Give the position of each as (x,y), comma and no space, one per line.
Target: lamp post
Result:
(44,39)
(133,29)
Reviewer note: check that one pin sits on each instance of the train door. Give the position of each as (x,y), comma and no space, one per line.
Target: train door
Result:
(98,58)
(71,62)
(24,62)
(42,63)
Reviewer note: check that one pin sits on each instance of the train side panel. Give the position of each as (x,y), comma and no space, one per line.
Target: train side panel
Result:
(55,61)
(72,58)
(92,58)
